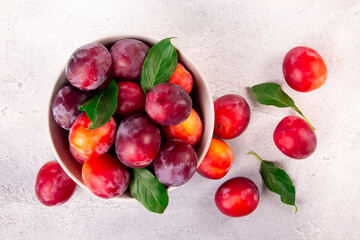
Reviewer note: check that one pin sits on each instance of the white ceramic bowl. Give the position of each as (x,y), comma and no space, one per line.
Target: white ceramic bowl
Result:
(202,103)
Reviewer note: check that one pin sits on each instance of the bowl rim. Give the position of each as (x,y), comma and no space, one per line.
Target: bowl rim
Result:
(118,37)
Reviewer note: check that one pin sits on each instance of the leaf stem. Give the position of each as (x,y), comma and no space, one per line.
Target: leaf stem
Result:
(307,121)
(299,112)
(254,154)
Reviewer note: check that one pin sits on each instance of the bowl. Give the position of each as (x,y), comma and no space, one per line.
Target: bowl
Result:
(202,103)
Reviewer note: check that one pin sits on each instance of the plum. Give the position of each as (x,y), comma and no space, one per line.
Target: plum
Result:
(176,163)
(105,176)
(89,66)
(189,131)
(66,103)
(168,104)
(304,69)
(88,143)
(53,186)
(294,137)
(237,197)
(217,161)
(130,99)
(128,56)
(137,141)
(182,78)
(232,116)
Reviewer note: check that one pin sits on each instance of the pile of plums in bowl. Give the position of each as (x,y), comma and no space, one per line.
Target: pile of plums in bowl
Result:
(130,115)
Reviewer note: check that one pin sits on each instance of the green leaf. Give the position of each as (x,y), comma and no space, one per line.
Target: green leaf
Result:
(272,94)
(102,106)
(159,64)
(147,189)
(277,181)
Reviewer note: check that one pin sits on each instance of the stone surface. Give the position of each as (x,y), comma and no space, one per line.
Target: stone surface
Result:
(235,44)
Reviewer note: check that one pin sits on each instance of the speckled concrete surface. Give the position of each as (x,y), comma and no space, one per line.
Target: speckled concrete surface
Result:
(235,44)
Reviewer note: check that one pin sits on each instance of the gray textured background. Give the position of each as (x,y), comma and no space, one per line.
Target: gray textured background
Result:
(235,44)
